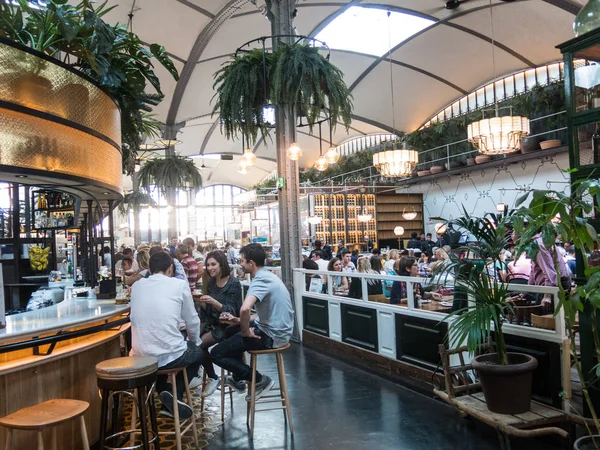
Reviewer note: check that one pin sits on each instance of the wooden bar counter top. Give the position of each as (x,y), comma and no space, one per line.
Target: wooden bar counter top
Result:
(35,366)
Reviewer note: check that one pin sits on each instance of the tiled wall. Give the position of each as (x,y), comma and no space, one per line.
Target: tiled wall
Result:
(480,190)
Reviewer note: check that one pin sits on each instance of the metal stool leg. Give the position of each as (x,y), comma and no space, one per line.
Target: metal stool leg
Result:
(114,418)
(191,405)
(84,437)
(153,422)
(252,395)
(204,381)
(103,417)
(40,440)
(142,402)
(176,411)
(133,425)
(222,395)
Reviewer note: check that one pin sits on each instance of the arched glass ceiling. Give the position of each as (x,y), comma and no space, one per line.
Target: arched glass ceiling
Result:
(365,30)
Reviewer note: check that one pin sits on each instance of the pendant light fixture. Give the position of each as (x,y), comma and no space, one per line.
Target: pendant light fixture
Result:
(409,213)
(314,220)
(331,155)
(397,162)
(243,165)
(321,164)
(248,157)
(364,216)
(498,135)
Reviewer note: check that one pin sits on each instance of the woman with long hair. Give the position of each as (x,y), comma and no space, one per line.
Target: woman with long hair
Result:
(223,295)
(340,283)
(408,267)
(373,285)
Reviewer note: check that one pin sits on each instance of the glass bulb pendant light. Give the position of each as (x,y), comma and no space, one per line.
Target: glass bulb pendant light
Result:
(294,152)
(244,165)
(397,162)
(498,135)
(242,168)
(321,163)
(331,155)
(249,157)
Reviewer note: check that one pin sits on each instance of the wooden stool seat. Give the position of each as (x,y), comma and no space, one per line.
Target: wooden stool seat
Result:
(126,368)
(173,371)
(270,350)
(46,415)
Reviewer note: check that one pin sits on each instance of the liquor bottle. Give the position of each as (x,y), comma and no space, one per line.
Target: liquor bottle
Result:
(596,144)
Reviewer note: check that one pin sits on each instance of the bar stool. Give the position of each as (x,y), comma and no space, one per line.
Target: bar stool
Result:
(172,374)
(282,397)
(120,376)
(45,415)
(225,389)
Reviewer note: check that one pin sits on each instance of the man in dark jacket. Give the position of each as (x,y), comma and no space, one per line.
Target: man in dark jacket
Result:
(415,242)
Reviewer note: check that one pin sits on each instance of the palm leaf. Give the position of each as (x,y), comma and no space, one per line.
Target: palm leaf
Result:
(135,200)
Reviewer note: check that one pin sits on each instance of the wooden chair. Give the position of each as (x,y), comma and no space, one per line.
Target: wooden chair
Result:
(46,415)
(282,397)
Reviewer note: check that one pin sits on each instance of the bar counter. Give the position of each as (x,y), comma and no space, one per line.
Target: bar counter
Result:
(52,353)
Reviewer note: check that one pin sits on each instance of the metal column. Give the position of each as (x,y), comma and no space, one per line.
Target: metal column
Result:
(280,14)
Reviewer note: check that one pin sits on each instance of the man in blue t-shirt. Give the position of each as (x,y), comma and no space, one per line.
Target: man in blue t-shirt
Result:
(270,327)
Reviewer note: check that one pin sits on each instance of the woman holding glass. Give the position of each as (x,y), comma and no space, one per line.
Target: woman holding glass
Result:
(223,296)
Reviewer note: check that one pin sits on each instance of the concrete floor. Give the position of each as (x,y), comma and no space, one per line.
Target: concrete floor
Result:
(338,406)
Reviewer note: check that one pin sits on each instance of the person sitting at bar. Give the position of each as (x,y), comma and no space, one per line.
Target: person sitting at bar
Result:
(127,252)
(374,286)
(177,273)
(158,304)
(272,326)
(518,271)
(376,264)
(189,264)
(340,283)
(143,259)
(223,295)
(314,283)
(408,267)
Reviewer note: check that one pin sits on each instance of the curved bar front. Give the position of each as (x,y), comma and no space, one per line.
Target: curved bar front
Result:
(71,337)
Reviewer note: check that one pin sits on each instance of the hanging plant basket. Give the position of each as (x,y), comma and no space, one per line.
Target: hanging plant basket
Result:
(242,92)
(170,172)
(135,200)
(303,77)
(294,75)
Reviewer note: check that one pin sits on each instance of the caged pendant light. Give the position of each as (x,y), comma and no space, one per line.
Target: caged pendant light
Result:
(498,135)
(398,162)
(321,164)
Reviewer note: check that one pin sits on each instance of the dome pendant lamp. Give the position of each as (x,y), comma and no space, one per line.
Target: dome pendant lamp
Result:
(498,135)
(331,155)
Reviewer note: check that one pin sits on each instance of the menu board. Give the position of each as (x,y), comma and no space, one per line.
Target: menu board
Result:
(2,311)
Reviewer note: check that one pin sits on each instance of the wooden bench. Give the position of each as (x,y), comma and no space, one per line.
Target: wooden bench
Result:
(463,392)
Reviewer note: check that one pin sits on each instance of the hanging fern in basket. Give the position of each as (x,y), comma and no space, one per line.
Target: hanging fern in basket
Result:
(303,77)
(170,172)
(135,200)
(241,94)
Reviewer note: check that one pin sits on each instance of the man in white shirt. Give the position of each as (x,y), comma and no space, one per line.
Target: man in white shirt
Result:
(317,256)
(347,264)
(158,304)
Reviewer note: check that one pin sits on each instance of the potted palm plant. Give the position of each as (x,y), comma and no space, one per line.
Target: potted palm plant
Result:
(551,213)
(485,314)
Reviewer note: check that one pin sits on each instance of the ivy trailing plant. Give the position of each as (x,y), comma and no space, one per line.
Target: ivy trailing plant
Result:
(294,75)
(111,55)
(170,172)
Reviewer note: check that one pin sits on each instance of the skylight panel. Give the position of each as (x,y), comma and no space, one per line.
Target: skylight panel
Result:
(365,30)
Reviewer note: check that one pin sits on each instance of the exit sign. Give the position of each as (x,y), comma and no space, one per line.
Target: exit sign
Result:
(280,182)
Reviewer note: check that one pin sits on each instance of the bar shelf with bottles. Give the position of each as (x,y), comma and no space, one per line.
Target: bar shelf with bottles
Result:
(339,214)
(53,210)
